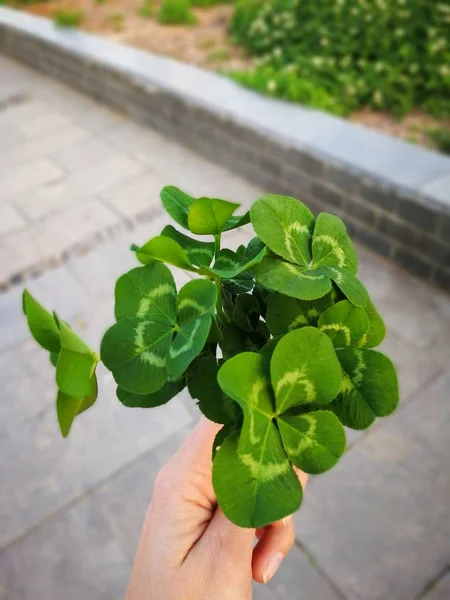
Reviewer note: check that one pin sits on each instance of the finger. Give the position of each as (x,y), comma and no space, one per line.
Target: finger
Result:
(273,546)
(228,540)
(303,477)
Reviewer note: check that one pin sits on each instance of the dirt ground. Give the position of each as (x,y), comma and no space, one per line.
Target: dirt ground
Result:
(204,44)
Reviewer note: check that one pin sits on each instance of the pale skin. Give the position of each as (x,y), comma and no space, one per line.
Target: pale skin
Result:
(188,549)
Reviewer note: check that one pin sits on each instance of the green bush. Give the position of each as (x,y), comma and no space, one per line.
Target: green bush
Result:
(176,11)
(388,55)
(68,18)
(441,137)
(145,10)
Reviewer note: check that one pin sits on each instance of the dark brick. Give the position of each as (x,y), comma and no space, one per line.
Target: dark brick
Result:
(341,178)
(271,165)
(413,263)
(370,238)
(439,253)
(360,210)
(400,231)
(306,162)
(297,180)
(328,195)
(421,216)
(381,196)
(445,229)
(442,279)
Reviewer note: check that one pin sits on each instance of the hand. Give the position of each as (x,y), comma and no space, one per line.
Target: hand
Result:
(188,549)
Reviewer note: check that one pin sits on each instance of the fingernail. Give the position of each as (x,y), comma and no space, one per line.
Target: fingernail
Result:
(272,566)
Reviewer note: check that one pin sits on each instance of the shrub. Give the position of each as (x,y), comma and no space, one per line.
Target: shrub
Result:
(117,21)
(274,340)
(68,18)
(145,9)
(173,12)
(441,137)
(388,55)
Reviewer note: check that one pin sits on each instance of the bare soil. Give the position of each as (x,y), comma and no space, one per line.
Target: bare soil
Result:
(205,44)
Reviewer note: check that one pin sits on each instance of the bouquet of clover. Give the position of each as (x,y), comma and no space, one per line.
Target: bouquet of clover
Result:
(274,340)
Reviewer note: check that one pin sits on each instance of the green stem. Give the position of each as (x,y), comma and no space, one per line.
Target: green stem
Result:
(219,309)
(216,245)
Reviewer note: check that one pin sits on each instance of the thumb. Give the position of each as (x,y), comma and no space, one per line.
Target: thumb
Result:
(229,540)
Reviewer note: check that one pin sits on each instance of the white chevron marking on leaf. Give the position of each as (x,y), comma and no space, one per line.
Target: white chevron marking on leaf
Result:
(358,372)
(307,439)
(191,303)
(164,289)
(153,359)
(339,327)
(288,240)
(139,335)
(299,320)
(188,345)
(334,245)
(258,386)
(263,472)
(293,377)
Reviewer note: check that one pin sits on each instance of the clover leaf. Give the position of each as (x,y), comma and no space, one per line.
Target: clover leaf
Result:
(165,393)
(307,255)
(158,333)
(42,324)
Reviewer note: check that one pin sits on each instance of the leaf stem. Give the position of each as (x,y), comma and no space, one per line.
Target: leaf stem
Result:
(219,308)
(216,245)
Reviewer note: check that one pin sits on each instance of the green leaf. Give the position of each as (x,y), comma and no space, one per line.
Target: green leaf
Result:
(349,285)
(237,221)
(377,329)
(246,312)
(196,306)
(235,340)
(241,284)
(255,490)
(304,369)
(168,391)
(54,358)
(263,296)
(135,350)
(41,323)
(292,280)
(199,253)
(221,436)
(203,386)
(68,407)
(76,365)
(146,292)
(369,387)
(313,441)
(285,314)
(345,324)
(167,250)
(285,225)
(253,479)
(177,204)
(210,215)
(331,244)
(229,264)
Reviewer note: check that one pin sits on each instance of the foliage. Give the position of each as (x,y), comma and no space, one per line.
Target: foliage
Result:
(349,53)
(145,9)
(273,339)
(68,18)
(173,12)
(117,21)
(441,137)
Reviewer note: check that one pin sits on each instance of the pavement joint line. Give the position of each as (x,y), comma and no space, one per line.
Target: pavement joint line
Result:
(432,583)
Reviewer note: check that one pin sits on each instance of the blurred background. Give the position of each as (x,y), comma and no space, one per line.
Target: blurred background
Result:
(79,183)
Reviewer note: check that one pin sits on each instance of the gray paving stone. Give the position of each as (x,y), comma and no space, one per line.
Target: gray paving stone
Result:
(74,556)
(9,135)
(441,591)
(22,112)
(379,523)
(43,124)
(27,176)
(56,290)
(84,154)
(10,219)
(42,472)
(88,182)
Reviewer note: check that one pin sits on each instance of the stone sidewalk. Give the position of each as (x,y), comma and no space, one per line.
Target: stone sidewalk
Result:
(377,527)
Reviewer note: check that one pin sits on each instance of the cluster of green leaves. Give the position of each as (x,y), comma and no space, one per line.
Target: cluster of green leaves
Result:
(67,19)
(275,342)
(173,12)
(74,361)
(346,54)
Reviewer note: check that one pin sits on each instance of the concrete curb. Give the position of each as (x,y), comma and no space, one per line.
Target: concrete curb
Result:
(394,197)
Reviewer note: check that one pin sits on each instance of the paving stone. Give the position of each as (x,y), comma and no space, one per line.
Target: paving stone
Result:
(77,186)
(10,219)
(441,591)
(25,111)
(137,196)
(27,176)
(43,472)
(84,154)
(17,252)
(56,290)
(365,522)
(73,556)
(43,124)
(9,135)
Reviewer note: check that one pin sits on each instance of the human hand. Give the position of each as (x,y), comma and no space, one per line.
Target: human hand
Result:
(188,549)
